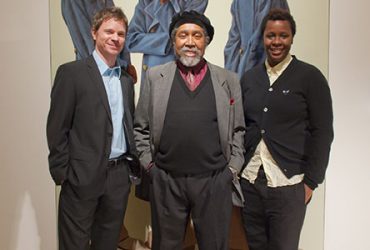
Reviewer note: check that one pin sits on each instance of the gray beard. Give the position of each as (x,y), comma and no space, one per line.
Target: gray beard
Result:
(189,61)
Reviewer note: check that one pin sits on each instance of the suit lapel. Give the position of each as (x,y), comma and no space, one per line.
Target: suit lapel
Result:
(127,118)
(125,93)
(97,81)
(161,94)
(223,96)
(127,99)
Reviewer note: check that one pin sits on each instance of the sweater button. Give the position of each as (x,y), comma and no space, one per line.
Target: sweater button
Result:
(271,89)
(263,131)
(265,109)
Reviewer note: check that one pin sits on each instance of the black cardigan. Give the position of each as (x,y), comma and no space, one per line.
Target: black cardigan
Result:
(294,117)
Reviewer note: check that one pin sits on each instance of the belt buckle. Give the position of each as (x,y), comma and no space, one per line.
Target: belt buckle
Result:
(113,162)
(116,161)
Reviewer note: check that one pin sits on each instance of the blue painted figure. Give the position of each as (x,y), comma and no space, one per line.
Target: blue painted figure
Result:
(244,48)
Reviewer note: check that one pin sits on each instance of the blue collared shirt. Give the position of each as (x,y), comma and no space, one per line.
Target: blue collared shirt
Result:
(112,84)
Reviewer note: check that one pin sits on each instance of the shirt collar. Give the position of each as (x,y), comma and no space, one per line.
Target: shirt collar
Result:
(280,67)
(104,68)
(195,69)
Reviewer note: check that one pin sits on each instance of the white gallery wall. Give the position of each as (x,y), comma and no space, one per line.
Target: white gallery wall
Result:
(27,205)
(347,213)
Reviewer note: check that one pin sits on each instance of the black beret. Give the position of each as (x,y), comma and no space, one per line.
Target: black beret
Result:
(192,17)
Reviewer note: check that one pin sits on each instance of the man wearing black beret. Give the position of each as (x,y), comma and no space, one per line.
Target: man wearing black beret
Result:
(189,130)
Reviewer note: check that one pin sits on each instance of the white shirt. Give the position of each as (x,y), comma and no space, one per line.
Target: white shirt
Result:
(262,157)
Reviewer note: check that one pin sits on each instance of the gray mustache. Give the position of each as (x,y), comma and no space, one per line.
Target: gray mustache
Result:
(184,49)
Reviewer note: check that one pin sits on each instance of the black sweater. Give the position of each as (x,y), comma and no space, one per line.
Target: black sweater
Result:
(294,117)
(190,141)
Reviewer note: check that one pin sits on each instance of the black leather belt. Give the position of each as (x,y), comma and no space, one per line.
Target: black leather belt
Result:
(133,164)
(117,161)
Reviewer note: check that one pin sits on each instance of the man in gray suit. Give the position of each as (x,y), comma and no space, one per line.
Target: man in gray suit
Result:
(189,132)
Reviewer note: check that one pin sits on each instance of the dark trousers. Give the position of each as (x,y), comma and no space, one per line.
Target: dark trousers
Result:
(273,217)
(94,223)
(205,198)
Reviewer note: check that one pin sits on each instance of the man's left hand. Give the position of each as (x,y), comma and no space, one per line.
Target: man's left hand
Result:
(308,193)
(131,70)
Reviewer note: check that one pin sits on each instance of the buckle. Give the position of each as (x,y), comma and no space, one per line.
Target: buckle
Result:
(115,162)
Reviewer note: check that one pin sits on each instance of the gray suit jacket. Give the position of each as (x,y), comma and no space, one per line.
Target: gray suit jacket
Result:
(151,110)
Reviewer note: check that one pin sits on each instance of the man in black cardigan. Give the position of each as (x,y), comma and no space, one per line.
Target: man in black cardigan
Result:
(288,116)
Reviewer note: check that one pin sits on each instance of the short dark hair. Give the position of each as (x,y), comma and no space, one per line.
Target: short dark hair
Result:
(108,13)
(278,15)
